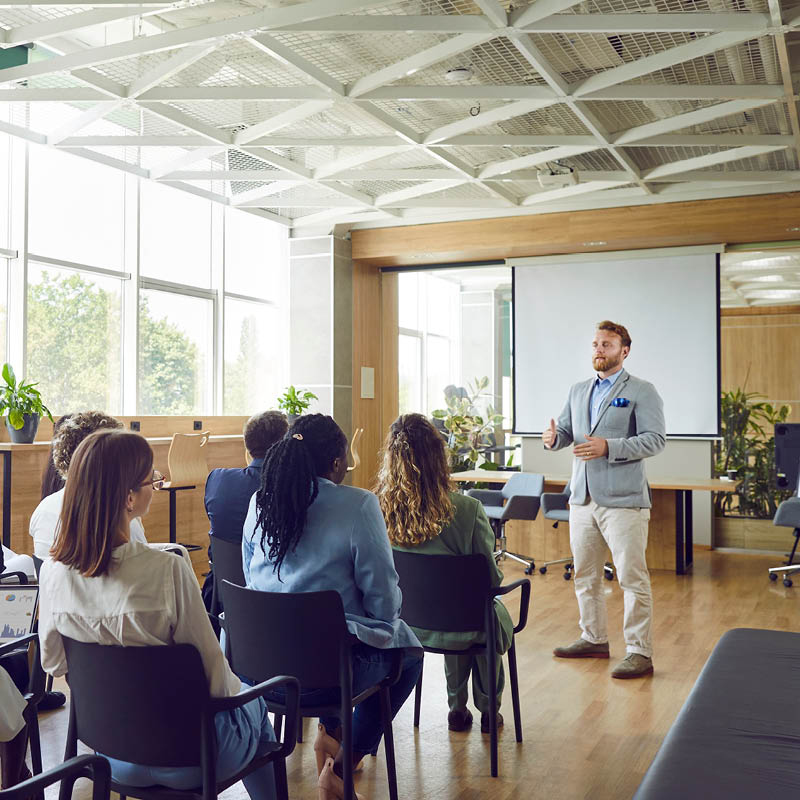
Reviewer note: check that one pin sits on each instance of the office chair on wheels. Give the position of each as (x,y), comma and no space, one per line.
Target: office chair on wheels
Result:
(554,507)
(788,515)
(522,494)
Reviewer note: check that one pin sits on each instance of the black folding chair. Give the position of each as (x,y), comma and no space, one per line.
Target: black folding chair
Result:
(95,768)
(454,594)
(28,647)
(150,705)
(227,566)
(305,634)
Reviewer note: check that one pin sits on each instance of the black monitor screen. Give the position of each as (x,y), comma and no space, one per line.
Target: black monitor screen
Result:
(787,455)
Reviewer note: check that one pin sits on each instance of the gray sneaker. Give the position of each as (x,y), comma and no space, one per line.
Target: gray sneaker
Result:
(633,665)
(580,648)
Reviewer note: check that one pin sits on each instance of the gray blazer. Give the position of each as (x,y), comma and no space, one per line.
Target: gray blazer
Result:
(634,432)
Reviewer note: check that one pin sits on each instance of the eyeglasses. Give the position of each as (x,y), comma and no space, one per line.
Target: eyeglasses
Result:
(157,481)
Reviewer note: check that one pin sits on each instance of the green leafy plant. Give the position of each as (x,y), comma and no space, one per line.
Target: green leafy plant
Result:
(20,399)
(295,402)
(748,448)
(468,431)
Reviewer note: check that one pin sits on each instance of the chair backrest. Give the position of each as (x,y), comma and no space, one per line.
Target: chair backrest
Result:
(138,704)
(227,558)
(526,483)
(277,633)
(443,593)
(187,459)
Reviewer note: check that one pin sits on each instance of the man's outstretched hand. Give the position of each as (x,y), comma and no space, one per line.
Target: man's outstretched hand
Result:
(593,447)
(549,435)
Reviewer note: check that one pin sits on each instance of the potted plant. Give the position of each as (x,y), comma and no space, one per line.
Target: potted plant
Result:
(746,453)
(468,431)
(293,402)
(23,406)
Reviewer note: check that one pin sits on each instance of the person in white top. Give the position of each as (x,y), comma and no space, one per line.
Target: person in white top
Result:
(72,430)
(13,738)
(101,587)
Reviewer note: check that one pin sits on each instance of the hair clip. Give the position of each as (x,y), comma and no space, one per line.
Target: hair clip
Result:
(298,436)
(620,402)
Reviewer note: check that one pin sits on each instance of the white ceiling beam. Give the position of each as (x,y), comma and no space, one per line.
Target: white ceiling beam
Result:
(644,23)
(413,174)
(214,93)
(484,119)
(39,31)
(539,10)
(787,73)
(273,48)
(188,122)
(92,3)
(22,133)
(355,160)
(100,82)
(701,162)
(167,69)
(520,140)
(570,191)
(418,61)
(523,162)
(650,91)
(486,92)
(299,202)
(230,175)
(254,198)
(312,220)
(675,55)
(186,160)
(279,161)
(687,120)
(754,176)
(399,195)
(134,141)
(80,121)
(77,94)
(180,37)
(399,23)
(713,140)
(449,202)
(282,120)
(110,161)
(495,12)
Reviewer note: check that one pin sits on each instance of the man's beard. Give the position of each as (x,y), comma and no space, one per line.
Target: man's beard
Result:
(603,363)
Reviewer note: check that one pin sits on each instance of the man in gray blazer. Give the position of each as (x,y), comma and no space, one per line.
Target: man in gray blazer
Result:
(615,421)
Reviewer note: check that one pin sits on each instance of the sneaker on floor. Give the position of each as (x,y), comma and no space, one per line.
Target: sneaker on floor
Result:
(580,648)
(485,722)
(51,701)
(633,665)
(459,720)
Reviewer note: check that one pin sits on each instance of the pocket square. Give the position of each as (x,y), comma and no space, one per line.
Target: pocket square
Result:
(620,402)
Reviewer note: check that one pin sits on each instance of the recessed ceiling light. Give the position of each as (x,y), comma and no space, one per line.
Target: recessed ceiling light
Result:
(458,74)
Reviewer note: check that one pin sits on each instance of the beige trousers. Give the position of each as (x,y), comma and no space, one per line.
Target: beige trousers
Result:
(624,531)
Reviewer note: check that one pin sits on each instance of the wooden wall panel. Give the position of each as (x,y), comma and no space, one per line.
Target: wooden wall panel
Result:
(736,220)
(761,353)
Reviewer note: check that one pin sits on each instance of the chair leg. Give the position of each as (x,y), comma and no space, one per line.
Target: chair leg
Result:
(278,725)
(347,754)
(281,782)
(35,745)
(300,729)
(388,742)
(417,699)
(492,692)
(512,674)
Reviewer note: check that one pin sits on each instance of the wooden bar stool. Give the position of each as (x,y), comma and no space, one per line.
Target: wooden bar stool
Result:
(188,469)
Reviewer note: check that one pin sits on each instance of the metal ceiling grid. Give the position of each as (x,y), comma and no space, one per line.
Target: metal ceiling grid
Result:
(125,71)
(556,120)
(466,191)
(342,119)
(496,62)
(426,115)
(375,188)
(665,6)
(18,16)
(619,115)
(348,57)
(778,160)
(770,119)
(228,115)
(153,125)
(128,155)
(647,158)
(405,159)
(596,160)
(480,156)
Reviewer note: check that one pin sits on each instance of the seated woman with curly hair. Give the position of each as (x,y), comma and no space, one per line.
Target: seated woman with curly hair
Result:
(424,516)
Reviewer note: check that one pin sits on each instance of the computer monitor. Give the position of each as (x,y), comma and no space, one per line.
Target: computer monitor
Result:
(787,456)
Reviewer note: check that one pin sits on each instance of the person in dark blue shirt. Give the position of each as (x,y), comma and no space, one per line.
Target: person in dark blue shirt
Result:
(228,491)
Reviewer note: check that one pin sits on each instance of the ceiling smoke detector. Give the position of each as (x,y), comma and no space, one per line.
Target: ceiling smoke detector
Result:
(458,74)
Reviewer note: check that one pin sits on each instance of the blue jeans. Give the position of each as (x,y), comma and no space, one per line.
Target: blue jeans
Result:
(240,734)
(370,666)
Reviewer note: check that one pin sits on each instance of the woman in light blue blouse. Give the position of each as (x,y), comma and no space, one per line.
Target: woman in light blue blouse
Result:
(305,532)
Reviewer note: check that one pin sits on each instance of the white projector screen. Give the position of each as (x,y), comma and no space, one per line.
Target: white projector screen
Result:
(669,302)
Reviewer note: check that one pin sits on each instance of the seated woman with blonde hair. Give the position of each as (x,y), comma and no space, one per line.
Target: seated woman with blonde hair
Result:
(424,516)
(102,587)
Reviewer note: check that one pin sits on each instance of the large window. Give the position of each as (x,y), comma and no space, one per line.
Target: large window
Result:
(254,255)
(5,185)
(74,338)
(175,353)
(3,308)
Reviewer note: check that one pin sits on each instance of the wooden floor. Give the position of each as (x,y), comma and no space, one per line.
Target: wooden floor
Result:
(586,735)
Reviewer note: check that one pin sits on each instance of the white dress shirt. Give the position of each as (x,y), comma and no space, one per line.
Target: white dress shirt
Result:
(148,597)
(46,519)
(18,563)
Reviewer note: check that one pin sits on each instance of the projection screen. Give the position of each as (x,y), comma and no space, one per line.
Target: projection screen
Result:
(668,300)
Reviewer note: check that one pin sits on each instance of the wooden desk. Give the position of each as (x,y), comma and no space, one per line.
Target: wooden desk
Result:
(670,518)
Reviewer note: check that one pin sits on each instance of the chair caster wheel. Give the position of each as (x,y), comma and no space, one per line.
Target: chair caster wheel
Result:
(543,570)
(567,576)
(773,576)
(787,582)
(609,576)
(529,569)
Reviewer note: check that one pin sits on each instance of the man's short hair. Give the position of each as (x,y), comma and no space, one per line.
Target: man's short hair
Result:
(262,430)
(613,327)
(73,431)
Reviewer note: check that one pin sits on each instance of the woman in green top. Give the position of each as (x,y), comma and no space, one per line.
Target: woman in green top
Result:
(424,516)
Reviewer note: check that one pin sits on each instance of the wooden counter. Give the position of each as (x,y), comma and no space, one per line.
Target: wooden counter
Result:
(669,543)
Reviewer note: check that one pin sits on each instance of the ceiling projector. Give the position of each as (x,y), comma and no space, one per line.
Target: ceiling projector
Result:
(557,180)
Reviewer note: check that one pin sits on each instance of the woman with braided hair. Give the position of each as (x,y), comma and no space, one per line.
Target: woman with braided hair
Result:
(424,516)
(305,532)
